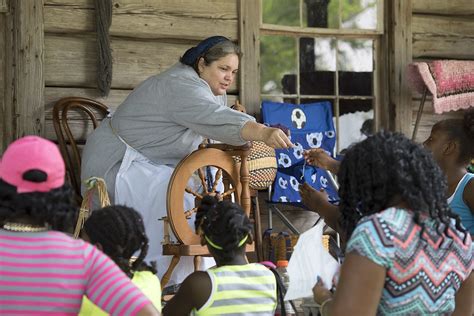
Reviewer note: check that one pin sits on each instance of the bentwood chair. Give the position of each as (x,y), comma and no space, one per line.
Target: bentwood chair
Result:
(72,120)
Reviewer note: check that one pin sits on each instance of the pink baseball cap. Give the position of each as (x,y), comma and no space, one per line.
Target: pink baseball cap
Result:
(32,153)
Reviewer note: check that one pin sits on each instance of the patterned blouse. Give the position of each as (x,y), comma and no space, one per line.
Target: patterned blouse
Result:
(423,273)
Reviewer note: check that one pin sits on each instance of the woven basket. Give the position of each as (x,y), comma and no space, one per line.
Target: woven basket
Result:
(93,184)
(280,246)
(262,165)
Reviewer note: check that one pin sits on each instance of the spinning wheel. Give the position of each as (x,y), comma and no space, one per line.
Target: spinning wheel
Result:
(235,178)
(196,163)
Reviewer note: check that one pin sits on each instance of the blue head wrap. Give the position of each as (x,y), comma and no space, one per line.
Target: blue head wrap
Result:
(192,55)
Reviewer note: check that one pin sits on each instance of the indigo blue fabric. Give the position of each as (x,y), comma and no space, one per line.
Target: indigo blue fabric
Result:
(311,126)
(191,56)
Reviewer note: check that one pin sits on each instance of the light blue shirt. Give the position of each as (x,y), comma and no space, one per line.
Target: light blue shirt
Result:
(458,205)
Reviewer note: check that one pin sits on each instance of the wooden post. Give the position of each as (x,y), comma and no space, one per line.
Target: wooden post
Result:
(24,69)
(249,41)
(3,111)
(400,57)
(3,6)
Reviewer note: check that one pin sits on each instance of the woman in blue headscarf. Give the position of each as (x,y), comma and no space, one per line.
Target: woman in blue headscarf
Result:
(164,119)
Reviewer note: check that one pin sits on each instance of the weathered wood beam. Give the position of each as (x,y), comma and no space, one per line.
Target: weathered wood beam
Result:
(70,61)
(5,115)
(249,40)
(441,47)
(400,52)
(3,6)
(24,67)
(444,7)
(148,19)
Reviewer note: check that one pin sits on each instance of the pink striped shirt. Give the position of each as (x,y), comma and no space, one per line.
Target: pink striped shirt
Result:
(49,272)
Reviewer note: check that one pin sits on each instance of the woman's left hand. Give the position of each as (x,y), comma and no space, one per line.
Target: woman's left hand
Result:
(320,292)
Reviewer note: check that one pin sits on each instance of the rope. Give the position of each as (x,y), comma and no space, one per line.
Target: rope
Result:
(104,61)
(86,205)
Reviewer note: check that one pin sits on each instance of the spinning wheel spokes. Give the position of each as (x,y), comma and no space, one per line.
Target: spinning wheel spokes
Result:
(195,166)
(205,191)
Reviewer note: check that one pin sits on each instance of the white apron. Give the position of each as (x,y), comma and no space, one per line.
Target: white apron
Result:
(143,185)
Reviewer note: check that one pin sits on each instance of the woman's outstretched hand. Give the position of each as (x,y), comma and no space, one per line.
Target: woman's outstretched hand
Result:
(273,137)
(276,138)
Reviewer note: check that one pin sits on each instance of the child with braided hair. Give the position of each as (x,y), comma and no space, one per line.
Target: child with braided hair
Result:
(452,143)
(234,286)
(120,233)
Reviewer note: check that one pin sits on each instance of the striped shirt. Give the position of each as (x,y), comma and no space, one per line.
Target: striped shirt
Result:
(49,272)
(241,290)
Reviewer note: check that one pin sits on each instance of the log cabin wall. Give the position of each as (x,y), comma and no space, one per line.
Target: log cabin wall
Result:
(440,30)
(147,37)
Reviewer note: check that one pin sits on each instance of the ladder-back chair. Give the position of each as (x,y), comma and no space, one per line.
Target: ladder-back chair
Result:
(81,110)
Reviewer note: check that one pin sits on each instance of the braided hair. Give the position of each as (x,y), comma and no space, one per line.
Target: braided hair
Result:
(461,130)
(57,208)
(388,165)
(120,231)
(224,223)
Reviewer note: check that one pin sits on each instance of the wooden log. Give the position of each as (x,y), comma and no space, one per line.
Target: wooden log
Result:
(449,26)
(150,19)
(24,68)
(437,47)
(444,7)
(70,61)
(222,9)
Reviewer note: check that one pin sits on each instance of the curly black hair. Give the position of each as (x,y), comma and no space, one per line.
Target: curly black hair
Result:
(121,232)
(224,223)
(387,166)
(57,208)
(461,130)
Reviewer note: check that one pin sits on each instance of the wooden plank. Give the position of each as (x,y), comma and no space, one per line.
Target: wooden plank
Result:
(429,118)
(71,61)
(53,94)
(80,129)
(297,31)
(442,47)
(3,111)
(452,26)
(113,100)
(400,57)
(139,20)
(249,23)
(444,7)
(221,9)
(3,6)
(24,63)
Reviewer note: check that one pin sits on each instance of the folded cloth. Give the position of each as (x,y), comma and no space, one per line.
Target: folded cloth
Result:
(451,82)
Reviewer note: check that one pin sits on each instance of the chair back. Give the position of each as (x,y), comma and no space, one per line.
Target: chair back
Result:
(66,112)
(311,126)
